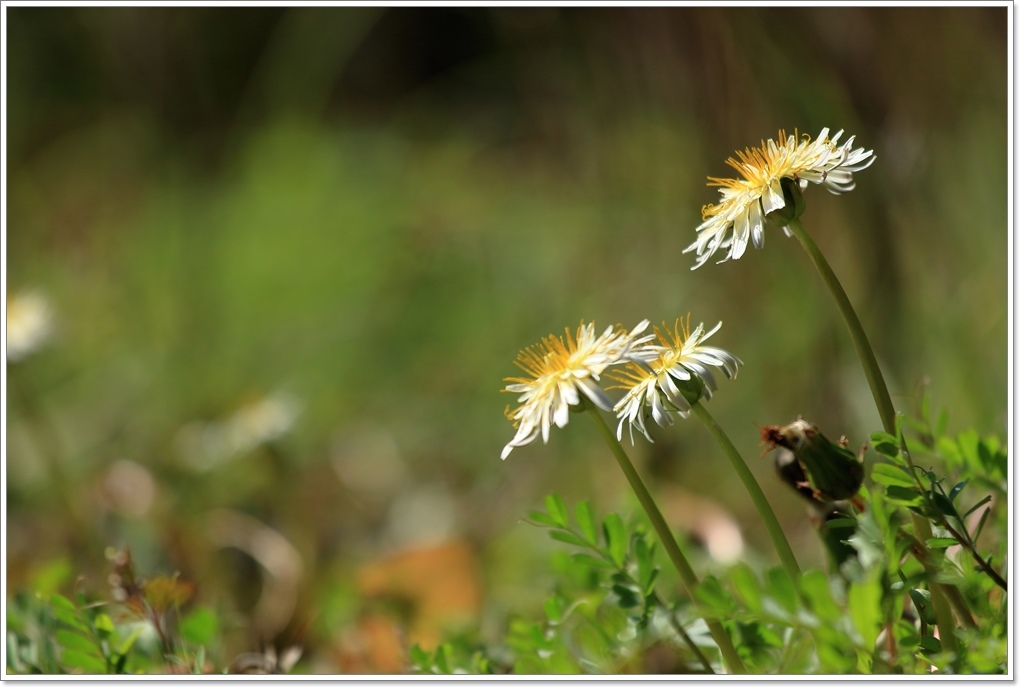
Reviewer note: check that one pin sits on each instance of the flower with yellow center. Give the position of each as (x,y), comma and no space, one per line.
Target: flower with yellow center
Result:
(679,374)
(560,370)
(741,213)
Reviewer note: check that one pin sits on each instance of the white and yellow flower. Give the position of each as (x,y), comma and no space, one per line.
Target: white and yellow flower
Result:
(740,215)
(664,386)
(560,370)
(30,324)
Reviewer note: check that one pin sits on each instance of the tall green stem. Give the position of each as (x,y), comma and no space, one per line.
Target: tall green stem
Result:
(922,528)
(687,575)
(779,540)
(867,356)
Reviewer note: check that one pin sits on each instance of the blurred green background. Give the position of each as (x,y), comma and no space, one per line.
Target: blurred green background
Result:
(291,254)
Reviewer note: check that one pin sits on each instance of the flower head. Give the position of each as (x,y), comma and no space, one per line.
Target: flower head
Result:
(30,324)
(679,374)
(741,213)
(560,370)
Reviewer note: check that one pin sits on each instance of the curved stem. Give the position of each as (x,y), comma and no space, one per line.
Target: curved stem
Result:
(768,516)
(922,528)
(687,575)
(867,356)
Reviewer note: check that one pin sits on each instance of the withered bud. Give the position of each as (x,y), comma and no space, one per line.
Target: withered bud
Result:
(833,471)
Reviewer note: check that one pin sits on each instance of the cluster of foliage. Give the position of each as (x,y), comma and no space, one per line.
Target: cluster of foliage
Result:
(141,628)
(871,612)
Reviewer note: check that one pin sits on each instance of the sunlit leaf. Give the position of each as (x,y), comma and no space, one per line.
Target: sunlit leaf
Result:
(557,509)
(586,522)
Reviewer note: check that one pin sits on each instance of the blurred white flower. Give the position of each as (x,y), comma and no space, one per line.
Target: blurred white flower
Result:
(30,324)
(740,215)
(128,489)
(206,444)
(560,371)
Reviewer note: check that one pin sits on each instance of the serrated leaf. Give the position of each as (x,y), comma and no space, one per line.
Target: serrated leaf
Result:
(567,538)
(87,663)
(586,522)
(616,538)
(557,509)
(891,475)
(75,641)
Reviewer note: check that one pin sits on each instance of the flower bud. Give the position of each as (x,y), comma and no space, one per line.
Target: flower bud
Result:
(692,389)
(833,471)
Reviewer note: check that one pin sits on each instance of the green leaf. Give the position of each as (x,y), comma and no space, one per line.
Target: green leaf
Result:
(976,506)
(200,626)
(554,608)
(981,524)
(540,518)
(87,663)
(66,612)
(51,577)
(904,496)
(745,582)
(940,424)
(616,538)
(941,542)
(645,563)
(586,522)
(591,561)
(711,593)
(103,624)
(891,475)
(887,445)
(930,645)
(955,491)
(75,641)
(781,588)
(557,509)
(922,602)
(129,641)
(815,586)
(443,659)
(864,601)
(944,505)
(628,598)
(567,538)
